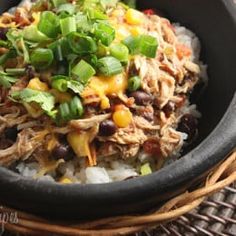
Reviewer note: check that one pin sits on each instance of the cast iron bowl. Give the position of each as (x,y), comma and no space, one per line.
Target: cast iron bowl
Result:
(214,21)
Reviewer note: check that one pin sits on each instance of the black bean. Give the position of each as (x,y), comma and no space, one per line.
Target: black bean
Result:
(141,98)
(62,151)
(3,33)
(107,128)
(169,108)
(11,133)
(188,125)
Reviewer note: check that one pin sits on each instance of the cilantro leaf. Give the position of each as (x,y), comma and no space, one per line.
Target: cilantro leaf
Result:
(45,100)
(6,80)
(75,86)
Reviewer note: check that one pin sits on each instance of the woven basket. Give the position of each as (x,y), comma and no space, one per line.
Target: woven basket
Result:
(210,220)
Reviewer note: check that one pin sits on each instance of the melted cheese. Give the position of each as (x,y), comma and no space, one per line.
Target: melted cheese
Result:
(105,86)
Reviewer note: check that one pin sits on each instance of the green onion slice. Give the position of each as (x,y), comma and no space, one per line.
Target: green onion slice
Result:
(81,44)
(42,58)
(146,169)
(83,71)
(120,52)
(68,25)
(49,24)
(105,33)
(133,44)
(109,66)
(148,46)
(134,83)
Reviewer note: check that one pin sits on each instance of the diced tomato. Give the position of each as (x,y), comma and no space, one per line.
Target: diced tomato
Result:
(149,12)
(152,146)
(183,51)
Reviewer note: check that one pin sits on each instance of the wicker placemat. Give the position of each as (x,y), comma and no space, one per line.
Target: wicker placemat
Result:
(215,216)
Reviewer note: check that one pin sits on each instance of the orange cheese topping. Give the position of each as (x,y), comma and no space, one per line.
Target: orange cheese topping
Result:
(105,86)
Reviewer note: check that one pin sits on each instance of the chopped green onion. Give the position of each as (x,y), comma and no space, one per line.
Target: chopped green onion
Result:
(68,8)
(59,77)
(120,52)
(82,22)
(76,107)
(60,48)
(10,54)
(49,24)
(143,44)
(72,110)
(68,25)
(15,71)
(6,80)
(42,58)
(4,43)
(83,71)
(148,46)
(81,44)
(75,86)
(64,111)
(133,44)
(102,50)
(96,14)
(109,66)
(32,33)
(60,85)
(146,169)
(105,33)
(134,83)
(57,3)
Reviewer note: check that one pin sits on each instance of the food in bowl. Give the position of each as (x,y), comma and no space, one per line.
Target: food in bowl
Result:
(94,91)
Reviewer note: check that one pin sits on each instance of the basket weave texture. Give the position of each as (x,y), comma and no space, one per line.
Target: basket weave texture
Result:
(182,215)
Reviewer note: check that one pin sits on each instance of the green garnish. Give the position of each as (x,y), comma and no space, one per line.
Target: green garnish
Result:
(109,66)
(146,169)
(144,44)
(66,8)
(15,71)
(81,44)
(45,100)
(68,25)
(105,33)
(42,58)
(148,46)
(32,33)
(71,110)
(83,71)
(5,80)
(134,83)
(75,86)
(49,24)
(120,52)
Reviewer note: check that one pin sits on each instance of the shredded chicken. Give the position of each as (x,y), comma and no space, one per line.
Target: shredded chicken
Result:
(129,135)
(26,144)
(89,122)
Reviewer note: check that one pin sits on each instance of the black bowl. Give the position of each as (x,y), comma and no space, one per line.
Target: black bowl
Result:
(214,21)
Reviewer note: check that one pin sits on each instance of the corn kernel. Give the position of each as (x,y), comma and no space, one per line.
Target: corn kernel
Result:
(61,97)
(122,33)
(134,17)
(122,118)
(65,180)
(135,31)
(36,84)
